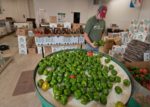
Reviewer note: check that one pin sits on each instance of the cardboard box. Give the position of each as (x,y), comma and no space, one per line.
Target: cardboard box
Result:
(27,25)
(30,42)
(23,51)
(32,50)
(53,19)
(119,49)
(22,42)
(39,50)
(75,26)
(47,49)
(147,56)
(109,42)
(117,40)
(22,46)
(22,32)
(31,46)
(22,39)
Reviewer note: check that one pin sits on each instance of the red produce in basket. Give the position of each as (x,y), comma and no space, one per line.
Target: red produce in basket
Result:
(141,70)
(145,71)
(148,86)
(142,75)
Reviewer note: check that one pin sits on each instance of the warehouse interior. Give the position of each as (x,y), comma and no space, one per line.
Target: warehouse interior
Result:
(32,32)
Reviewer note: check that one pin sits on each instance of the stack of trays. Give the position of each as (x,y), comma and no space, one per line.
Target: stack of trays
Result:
(135,50)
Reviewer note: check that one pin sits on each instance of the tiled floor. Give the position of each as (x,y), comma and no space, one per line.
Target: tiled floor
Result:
(10,76)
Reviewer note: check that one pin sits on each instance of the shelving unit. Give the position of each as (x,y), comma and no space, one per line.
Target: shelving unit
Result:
(4,61)
(6,27)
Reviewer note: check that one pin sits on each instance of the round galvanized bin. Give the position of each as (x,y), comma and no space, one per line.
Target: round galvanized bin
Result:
(47,103)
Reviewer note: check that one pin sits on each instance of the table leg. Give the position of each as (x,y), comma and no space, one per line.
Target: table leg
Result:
(42,52)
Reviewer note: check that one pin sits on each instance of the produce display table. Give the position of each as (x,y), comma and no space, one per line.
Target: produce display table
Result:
(47,99)
(68,41)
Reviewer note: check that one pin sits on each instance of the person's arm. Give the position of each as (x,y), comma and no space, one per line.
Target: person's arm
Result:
(87,39)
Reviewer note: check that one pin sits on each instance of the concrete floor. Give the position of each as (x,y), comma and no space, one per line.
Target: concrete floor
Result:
(9,77)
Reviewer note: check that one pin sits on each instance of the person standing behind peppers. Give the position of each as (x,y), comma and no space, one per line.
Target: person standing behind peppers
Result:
(95,28)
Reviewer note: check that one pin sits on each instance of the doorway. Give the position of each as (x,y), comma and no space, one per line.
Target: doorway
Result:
(76,18)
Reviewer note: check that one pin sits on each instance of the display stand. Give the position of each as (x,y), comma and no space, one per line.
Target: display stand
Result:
(4,61)
(66,41)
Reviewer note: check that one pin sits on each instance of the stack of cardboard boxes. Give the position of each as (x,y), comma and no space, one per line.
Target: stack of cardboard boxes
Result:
(22,38)
(113,45)
(31,47)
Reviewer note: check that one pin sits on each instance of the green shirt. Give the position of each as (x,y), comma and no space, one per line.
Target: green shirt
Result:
(94,28)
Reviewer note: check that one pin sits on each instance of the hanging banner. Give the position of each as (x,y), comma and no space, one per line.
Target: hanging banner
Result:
(135,3)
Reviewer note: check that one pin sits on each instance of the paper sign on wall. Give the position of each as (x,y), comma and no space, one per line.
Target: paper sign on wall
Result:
(61,17)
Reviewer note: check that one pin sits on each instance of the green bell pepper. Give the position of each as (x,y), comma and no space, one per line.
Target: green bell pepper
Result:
(64,100)
(126,82)
(40,83)
(117,79)
(96,96)
(103,99)
(84,100)
(105,92)
(77,94)
(118,90)
(113,72)
(57,97)
(111,67)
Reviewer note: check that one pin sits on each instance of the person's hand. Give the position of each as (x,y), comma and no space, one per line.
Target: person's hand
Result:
(92,44)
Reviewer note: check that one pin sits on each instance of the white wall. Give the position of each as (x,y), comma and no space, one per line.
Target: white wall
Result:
(119,11)
(23,10)
(8,8)
(31,9)
(145,11)
(53,7)
(17,9)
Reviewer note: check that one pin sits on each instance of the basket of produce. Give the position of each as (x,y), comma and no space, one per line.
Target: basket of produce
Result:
(78,78)
(141,73)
